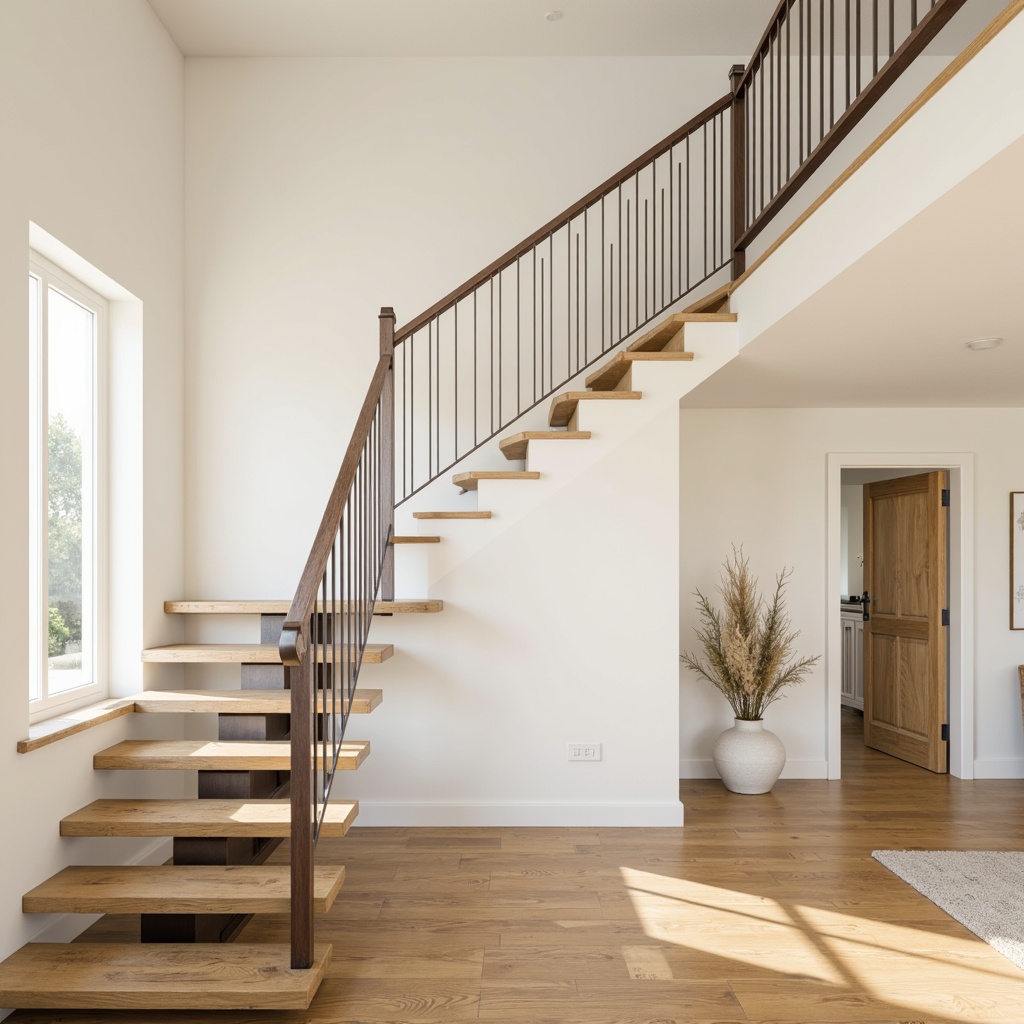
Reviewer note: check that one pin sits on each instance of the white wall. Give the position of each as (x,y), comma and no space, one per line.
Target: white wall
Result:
(91,131)
(763,474)
(318,191)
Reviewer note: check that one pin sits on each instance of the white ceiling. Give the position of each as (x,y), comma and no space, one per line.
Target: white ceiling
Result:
(890,330)
(401,28)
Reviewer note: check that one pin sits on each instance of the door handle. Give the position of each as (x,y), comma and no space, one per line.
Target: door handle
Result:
(865,601)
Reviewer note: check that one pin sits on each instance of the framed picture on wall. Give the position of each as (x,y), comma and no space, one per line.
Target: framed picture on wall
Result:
(1016,559)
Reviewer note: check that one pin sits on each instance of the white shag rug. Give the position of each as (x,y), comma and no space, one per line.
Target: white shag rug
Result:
(983,891)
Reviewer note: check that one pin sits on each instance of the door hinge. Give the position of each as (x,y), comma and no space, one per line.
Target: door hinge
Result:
(945,616)
(945,732)
(945,497)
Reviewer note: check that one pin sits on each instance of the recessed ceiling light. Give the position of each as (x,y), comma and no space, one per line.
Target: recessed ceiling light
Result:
(554,16)
(982,343)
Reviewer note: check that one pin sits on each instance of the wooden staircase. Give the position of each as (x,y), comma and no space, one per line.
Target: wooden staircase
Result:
(193,907)
(612,382)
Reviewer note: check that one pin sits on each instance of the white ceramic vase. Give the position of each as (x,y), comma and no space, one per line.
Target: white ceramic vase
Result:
(748,757)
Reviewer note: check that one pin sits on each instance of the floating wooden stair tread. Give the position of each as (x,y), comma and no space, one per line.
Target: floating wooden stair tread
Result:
(249,654)
(198,819)
(178,889)
(158,976)
(416,540)
(612,372)
(564,406)
(451,515)
(657,339)
(515,446)
(281,607)
(238,702)
(218,755)
(469,481)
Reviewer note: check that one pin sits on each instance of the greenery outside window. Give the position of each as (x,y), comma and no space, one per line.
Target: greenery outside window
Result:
(67,324)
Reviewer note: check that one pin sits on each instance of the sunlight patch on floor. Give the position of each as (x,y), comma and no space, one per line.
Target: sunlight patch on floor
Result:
(857,957)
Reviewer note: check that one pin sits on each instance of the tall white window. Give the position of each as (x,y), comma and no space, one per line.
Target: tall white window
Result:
(67,324)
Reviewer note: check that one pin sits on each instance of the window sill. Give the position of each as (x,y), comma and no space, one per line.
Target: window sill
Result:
(41,734)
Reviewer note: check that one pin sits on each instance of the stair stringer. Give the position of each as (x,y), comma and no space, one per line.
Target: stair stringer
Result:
(560,462)
(560,626)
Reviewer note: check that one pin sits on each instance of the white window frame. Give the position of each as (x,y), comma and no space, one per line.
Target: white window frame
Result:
(45,704)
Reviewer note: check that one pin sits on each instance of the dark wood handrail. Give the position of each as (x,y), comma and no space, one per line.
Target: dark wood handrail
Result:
(305,597)
(563,218)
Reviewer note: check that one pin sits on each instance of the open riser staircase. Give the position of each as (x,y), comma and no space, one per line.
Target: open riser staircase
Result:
(284,730)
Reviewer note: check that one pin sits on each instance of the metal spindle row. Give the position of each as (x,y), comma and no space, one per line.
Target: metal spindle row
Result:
(561,304)
(816,61)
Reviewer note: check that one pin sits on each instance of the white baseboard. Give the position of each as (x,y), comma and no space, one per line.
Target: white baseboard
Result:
(999,768)
(704,768)
(521,815)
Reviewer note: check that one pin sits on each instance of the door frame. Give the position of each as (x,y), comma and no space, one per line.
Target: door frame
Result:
(960,466)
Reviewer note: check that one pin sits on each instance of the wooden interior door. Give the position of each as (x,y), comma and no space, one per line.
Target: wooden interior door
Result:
(904,635)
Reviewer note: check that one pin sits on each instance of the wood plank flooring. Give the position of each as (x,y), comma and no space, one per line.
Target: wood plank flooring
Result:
(762,910)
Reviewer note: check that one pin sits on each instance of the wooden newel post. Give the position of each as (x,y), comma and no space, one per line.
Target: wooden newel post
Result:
(739,168)
(387,444)
(297,680)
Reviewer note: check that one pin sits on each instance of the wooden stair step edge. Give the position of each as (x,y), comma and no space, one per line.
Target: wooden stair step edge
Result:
(415,540)
(516,445)
(469,481)
(247,607)
(200,819)
(237,702)
(218,755)
(451,515)
(673,327)
(609,375)
(158,976)
(245,654)
(564,406)
(178,889)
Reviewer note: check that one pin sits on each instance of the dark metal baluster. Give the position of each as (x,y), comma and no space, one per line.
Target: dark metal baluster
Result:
(821,69)
(789,90)
(858,47)
(542,325)
(501,354)
(687,199)
(704,163)
(646,266)
(476,379)
(490,365)
(771,120)
(455,352)
(913,15)
(519,313)
(629,276)
(800,94)
(602,277)
(430,400)
(619,192)
(577,301)
(874,37)
(831,63)
(892,27)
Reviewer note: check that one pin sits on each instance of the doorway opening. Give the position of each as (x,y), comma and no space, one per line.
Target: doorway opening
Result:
(848,475)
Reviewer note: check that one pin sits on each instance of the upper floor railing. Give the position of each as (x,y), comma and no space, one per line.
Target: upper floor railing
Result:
(819,68)
(541,314)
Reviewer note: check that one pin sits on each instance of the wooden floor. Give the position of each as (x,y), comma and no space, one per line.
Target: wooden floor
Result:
(763,909)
